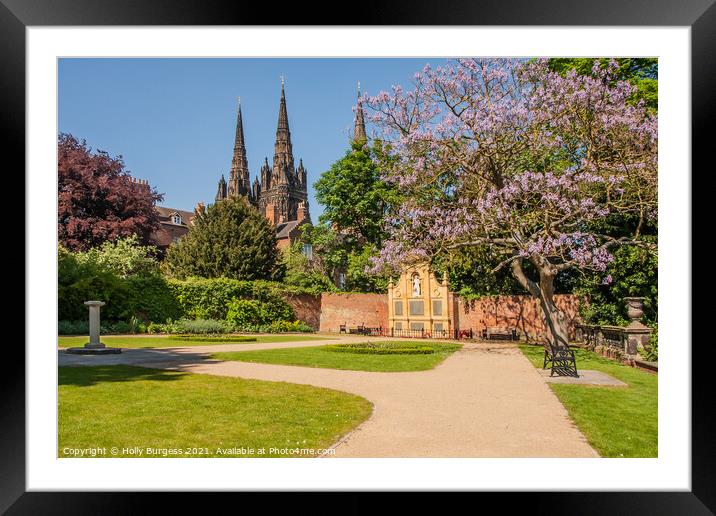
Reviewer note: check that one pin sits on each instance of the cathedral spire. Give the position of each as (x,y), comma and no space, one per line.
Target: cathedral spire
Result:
(221,190)
(239,182)
(359,133)
(283,168)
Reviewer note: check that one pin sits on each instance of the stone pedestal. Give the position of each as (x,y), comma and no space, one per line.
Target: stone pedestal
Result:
(94,342)
(94,346)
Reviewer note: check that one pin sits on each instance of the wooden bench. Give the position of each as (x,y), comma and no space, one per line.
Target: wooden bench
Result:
(495,333)
(561,361)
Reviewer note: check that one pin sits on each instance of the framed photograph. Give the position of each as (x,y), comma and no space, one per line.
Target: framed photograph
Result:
(432,251)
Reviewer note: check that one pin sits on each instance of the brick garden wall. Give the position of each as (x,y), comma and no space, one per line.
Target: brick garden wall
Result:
(521,312)
(326,312)
(307,308)
(353,310)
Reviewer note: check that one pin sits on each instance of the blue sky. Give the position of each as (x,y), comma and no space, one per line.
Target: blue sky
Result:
(173,120)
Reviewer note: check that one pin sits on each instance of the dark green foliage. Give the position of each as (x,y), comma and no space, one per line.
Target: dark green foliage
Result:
(107,328)
(635,274)
(232,240)
(73,327)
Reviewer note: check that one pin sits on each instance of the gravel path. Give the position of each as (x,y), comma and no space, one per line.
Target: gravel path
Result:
(485,400)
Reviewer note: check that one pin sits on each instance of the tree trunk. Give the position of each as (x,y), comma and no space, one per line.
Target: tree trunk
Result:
(552,317)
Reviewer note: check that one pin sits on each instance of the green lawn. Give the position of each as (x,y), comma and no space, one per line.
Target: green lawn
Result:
(127,407)
(617,421)
(317,356)
(163,341)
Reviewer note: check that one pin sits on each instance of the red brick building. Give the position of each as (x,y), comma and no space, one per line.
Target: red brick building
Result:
(174,225)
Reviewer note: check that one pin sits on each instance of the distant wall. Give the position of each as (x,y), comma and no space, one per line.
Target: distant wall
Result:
(521,312)
(326,312)
(353,310)
(306,307)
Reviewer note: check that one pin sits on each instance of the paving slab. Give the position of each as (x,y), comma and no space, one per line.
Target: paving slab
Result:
(586,377)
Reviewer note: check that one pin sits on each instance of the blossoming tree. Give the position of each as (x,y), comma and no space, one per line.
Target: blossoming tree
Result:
(531,164)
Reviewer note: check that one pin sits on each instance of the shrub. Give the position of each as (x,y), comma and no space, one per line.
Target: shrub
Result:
(124,257)
(79,282)
(202,326)
(286,326)
(244,312)
(120,327)
(198,326)
(275,327)
(84,276)
(82,327)
(73,328)
(149,298)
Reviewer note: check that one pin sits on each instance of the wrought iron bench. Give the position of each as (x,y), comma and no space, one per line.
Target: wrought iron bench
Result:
(360,330)
(561,361)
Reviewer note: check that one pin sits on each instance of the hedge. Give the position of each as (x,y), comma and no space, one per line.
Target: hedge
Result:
(153,298)
(201,298)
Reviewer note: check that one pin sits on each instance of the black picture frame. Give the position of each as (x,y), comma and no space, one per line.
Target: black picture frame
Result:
(700,15)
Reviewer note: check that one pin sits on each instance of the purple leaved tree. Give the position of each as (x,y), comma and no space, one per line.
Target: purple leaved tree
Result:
(508,155)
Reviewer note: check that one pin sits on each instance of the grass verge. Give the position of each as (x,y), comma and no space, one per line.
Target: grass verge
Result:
(319,356)
(194,415)
(617,421)
(168,341)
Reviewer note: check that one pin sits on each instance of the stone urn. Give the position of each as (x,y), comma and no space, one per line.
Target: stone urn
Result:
(637,333)
(635,308)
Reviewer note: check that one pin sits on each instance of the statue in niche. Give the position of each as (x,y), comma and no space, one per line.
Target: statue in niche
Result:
(416,285)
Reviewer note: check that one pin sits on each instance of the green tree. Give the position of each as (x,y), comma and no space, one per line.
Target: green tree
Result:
(357,277)
(639,71)
(230,239)
(353,195)
(634,271)
(305,273)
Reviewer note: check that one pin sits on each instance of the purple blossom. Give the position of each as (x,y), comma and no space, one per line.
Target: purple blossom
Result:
(472,124)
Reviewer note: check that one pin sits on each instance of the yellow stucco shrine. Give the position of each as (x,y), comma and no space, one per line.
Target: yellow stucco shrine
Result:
(419,302)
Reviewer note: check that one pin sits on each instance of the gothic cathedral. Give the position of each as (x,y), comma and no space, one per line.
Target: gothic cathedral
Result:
(281,193)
